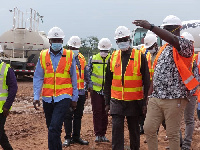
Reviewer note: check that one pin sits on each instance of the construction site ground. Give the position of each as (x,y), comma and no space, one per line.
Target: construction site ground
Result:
(26,127)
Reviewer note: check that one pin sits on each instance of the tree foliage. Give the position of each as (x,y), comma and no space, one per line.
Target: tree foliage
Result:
(89,46)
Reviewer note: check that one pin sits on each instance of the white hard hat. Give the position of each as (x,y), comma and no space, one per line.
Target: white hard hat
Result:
(188,36)
(150,32)
(55,32)
(149,40)
(74,41)
(171,20)
(104,44)
(121,32)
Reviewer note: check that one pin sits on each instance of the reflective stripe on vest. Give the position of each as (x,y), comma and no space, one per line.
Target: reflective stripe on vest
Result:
(196,58)
(80,78)
(148,56)
(98,71)
(58,82)
(133,87)
(3,87)
(183,64)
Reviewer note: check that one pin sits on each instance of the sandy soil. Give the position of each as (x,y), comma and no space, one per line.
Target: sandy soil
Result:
(26,127)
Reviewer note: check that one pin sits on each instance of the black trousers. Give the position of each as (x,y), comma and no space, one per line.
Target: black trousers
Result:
(100,118)
(3,137)
(75,117)
(118,132)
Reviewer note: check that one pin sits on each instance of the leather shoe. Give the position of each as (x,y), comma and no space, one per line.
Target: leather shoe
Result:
(104,139)
(97,139)
(67,142)
(80,141)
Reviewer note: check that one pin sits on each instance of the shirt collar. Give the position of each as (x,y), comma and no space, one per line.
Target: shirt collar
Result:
(61,52)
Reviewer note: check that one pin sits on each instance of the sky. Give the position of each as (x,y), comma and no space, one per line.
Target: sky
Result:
(99,18)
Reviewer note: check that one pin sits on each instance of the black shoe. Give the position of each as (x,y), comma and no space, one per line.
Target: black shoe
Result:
(104,139)
(141,132)
(97,139)
(67,142)
(80,141)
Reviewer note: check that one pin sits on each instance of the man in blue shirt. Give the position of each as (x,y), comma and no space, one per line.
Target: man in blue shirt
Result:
(56,77)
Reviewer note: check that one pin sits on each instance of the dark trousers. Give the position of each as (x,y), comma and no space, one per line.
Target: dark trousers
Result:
(100,118)
(118,132)
(3,137)
(76,117)
(55,114)
(198,113)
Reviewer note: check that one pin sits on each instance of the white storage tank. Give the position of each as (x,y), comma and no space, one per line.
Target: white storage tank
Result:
(193,27)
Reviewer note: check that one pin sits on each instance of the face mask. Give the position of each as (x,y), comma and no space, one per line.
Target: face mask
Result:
(56,46)
(103,54)
(124,46)
(152,51)
(75,52)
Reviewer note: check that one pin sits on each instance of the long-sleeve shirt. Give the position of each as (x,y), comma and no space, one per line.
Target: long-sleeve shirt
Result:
(126,107)
(82,91)
(90,66)
(90,69)
(11,82)
(39,78)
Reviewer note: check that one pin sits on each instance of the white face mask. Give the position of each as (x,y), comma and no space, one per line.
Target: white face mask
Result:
(103,54)
(75,52)
(152,51)
(124,46)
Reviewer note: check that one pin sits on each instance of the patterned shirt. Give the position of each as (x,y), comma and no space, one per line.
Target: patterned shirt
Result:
(167,82)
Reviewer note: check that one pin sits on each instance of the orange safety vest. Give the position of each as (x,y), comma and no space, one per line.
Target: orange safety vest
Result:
(183,64)
(133,87)
(148,56)
(80,78)
(58,82)
(197,93)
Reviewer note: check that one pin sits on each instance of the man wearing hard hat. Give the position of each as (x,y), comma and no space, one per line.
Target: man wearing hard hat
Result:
(55,76)
(97,67)
(149,49)
(126,89)
(74,44)
(190,107)
(8,90)
(172,81)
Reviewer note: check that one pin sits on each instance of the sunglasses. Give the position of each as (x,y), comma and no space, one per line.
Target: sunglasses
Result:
(123,39)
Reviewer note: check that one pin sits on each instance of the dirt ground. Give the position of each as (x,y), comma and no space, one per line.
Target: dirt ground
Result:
(26,127)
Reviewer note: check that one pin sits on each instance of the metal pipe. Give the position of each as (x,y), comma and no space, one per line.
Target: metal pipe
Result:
(31,19)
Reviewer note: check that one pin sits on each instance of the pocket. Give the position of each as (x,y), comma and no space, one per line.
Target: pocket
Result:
(182,102)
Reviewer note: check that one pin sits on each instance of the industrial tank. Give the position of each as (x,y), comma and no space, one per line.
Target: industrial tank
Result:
(20,44)
(193,27)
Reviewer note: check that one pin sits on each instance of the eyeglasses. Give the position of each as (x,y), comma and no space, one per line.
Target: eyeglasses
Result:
(171,28)
(106,51)
(73,48)
(125,39)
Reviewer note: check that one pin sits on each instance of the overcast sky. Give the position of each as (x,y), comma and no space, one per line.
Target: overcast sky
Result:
(98,17)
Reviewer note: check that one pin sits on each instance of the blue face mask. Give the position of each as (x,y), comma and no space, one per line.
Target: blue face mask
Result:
(75,52)
(124,46)
(56,46)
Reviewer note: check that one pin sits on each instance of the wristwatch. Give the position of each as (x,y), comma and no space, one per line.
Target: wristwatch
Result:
(152,26)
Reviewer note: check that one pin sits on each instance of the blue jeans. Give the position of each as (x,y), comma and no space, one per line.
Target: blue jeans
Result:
(55,114)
